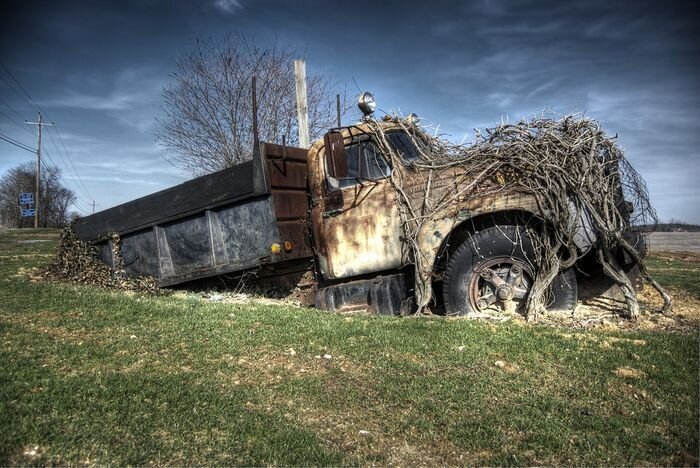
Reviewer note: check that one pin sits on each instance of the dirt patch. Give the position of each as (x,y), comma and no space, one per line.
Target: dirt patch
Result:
(608,313)
(684,256)
(229,297)
(358,434)
(686,307)
(34,275)
(269,367)
(629,373)
(506,366)
(352,429)
(613,341)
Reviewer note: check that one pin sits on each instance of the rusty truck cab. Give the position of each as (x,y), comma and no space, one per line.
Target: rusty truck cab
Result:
(356,223)
(354,211)
(360,250)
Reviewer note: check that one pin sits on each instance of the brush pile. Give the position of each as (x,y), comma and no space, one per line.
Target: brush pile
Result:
(77,261)
(568,165)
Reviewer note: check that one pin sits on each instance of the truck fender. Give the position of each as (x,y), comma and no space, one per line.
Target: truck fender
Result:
(433,233)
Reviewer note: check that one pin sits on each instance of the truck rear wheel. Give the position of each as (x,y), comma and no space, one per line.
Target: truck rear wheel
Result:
(493,271)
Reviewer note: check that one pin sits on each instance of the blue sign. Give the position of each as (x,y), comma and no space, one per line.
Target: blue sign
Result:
(26,198)
(28,213)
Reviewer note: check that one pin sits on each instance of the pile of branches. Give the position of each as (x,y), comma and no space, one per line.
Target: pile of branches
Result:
(568,165)
(77,261)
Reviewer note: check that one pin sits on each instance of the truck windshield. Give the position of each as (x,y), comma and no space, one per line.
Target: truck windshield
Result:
(365,162)
(401,143)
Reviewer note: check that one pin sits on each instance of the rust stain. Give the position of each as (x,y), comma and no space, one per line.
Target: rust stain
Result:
(361,230)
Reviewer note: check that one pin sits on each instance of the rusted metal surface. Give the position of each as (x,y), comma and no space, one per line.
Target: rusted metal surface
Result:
(358,229)
(380,295)
(503,282)
(288,178)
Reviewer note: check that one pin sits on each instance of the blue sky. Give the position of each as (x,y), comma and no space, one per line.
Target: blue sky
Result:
(97,70)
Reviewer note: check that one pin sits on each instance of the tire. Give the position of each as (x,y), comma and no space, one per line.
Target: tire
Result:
(493,269)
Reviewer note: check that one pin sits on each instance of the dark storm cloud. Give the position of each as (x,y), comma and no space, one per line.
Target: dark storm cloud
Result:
(97,68)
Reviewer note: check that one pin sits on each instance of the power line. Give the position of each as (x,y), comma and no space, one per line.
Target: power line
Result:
(16,143)
(80,208)
(16,123)
(70,165)
(60,155)
(21,119)
(29,98)
(70,160)
(51,161)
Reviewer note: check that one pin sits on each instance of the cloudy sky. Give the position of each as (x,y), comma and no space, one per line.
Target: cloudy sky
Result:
(97,69)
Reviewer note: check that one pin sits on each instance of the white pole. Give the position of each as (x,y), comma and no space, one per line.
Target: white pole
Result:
(302,108)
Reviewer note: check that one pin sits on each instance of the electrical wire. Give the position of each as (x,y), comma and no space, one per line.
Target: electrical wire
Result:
(81,185)
(15,122)
(21,119)
(70,165)
(16,143)
(28,97)
(85,212)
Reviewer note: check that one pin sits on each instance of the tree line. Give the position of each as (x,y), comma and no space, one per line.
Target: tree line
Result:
(55,199)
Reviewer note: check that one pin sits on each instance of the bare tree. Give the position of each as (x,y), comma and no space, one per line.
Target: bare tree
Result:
(208,108)
(55,197)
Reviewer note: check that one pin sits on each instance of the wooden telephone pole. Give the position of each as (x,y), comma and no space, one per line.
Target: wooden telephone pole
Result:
(39,124)
(302,108)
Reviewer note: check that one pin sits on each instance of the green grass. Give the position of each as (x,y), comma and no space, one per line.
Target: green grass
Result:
(675,273)
(101,377)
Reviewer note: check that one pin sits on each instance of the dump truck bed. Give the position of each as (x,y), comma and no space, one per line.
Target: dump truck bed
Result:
(220,223)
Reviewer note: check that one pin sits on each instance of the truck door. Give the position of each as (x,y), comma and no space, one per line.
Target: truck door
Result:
(360,223)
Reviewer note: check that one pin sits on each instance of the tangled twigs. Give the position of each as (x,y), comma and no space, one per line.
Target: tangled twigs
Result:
(576,175)
(668,303)
(77,261)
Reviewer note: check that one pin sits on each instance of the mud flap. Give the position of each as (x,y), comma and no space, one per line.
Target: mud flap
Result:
(385,295)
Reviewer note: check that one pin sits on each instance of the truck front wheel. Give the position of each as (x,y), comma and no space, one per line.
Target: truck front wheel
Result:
(493,270)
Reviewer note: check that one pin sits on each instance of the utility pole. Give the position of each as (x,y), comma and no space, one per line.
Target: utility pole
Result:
(39,124)
(337,108)
(302,108)
(93,207)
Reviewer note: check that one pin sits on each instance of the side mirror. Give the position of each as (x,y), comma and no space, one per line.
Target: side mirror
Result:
(336,164)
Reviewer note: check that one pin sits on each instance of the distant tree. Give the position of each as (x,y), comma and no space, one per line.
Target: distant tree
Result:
(55,202)
(207,124)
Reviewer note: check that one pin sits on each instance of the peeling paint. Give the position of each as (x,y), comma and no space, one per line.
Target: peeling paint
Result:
(358,229)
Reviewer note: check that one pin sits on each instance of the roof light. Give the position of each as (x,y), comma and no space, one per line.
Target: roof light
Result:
(367,104)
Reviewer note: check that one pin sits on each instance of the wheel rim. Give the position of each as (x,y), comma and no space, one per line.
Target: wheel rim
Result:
(500,283)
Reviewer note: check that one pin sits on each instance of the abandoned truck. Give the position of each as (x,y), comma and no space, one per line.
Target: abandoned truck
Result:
(329,211)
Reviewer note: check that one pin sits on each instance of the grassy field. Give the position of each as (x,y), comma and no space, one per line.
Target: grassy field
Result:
(677,270)
(98,377)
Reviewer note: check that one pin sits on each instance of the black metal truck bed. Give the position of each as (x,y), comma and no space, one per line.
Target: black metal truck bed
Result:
(219,223)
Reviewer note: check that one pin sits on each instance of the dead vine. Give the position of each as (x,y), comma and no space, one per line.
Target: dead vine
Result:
(77,261)
(576,174)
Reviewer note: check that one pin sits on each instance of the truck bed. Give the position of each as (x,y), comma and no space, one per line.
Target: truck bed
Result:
(215,224)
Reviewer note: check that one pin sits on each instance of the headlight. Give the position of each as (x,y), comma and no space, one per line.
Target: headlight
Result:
(413,119)
(367,104)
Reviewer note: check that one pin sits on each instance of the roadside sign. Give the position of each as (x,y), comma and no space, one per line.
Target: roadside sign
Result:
(26,198)
(27,212)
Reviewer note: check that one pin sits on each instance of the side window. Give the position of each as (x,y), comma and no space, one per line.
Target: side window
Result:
(401,143)
(365,162)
